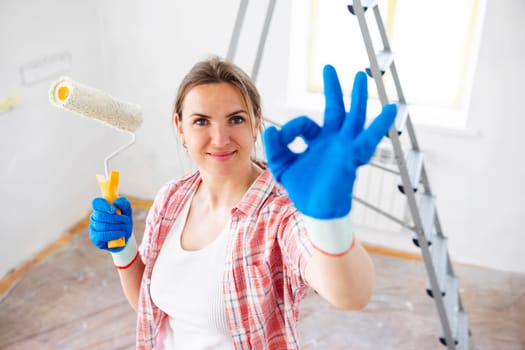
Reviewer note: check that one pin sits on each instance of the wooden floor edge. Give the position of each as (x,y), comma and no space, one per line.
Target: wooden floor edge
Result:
(385,251)
(12,277)
(10,280)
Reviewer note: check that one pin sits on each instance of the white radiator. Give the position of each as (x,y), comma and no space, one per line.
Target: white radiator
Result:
(379,188)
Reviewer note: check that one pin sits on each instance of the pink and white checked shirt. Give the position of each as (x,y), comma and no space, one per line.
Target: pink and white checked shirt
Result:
(263,280)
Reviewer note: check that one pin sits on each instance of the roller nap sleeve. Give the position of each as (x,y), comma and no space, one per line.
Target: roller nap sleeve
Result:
(92,103)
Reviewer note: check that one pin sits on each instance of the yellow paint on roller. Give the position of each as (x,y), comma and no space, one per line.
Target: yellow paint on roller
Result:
(109,189)
(63,93)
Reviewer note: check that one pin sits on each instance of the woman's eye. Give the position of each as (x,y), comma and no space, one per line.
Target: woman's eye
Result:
(237,120)
(200,121)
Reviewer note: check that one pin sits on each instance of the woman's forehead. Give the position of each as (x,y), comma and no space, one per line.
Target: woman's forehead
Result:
(215,96)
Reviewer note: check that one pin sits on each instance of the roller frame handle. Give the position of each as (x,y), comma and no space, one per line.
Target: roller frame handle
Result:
(109,189)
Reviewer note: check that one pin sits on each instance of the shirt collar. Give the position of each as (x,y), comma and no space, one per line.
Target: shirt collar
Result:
(253,199)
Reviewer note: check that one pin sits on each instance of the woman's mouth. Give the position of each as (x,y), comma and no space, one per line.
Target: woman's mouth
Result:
(222,156)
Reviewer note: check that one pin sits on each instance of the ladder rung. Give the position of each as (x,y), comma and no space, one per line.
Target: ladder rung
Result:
(366,4)
(451,308)
(384,60)
(439,252)
(401,117)
(414,163)
(463,331)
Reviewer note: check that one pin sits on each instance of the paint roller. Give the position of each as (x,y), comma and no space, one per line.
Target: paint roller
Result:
(92,103)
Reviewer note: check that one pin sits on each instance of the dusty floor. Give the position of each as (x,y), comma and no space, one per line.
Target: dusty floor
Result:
(72,300)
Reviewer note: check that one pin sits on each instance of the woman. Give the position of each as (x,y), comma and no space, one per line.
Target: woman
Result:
(230,250)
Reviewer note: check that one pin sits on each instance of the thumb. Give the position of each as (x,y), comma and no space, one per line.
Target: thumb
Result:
(102,205)
(123,204)
(277,153)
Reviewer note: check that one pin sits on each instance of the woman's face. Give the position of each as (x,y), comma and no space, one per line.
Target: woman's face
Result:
(217,128)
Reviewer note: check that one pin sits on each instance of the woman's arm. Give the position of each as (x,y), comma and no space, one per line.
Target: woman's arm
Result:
(345,281)
(130,279)
(320,181)
(105,225)
(340,269)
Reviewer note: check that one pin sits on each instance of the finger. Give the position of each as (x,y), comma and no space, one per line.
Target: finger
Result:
(272,143)
(334,112)
(101,238)
(105,218)
(355,121)
(299,127)
(277,154)
(366,143)
(102,205)
(123,204)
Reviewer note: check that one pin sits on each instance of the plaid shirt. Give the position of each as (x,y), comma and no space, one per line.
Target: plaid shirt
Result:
(263,279)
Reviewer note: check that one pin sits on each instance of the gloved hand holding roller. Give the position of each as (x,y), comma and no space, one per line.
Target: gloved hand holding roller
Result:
(111,222)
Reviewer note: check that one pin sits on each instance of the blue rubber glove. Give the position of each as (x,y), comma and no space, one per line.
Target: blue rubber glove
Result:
(106,225)
(320,180)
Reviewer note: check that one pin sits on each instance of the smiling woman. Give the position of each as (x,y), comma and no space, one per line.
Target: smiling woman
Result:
(229,251)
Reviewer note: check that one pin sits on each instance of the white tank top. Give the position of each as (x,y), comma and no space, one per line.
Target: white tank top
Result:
(187,285)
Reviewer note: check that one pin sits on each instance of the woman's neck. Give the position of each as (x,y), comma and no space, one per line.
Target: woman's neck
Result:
(226,192)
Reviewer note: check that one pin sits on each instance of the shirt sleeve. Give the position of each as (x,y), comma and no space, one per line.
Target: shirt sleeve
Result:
(296,247)
(152,221)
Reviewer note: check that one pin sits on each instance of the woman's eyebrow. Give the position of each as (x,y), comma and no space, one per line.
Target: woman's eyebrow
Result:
(201,115)
(237,112)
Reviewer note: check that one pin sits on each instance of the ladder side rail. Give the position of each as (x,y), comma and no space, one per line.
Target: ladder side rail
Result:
(395,76)
(386,45)
(450,271)
(237,27)
(397,83)
(262,40)
(461,311)
(426,185)
(381,27)
(374,66)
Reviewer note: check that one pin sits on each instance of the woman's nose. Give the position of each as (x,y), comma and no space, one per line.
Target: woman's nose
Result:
(220,136)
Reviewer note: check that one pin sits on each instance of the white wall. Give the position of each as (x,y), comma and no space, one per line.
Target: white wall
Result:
(48,157)
(139,50)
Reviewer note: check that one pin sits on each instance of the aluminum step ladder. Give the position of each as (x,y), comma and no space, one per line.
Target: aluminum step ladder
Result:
(428,233)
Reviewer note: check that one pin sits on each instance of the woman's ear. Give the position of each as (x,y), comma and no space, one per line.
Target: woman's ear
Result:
(178,125)
(258,122)
(177,122)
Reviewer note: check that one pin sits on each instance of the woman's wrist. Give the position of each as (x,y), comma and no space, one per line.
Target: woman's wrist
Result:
(331,237)
(126,256)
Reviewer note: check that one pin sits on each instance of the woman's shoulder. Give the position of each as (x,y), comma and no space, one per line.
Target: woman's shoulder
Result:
(177,185)
(276,198)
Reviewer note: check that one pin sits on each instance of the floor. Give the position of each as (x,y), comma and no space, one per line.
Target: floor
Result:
(72,299)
